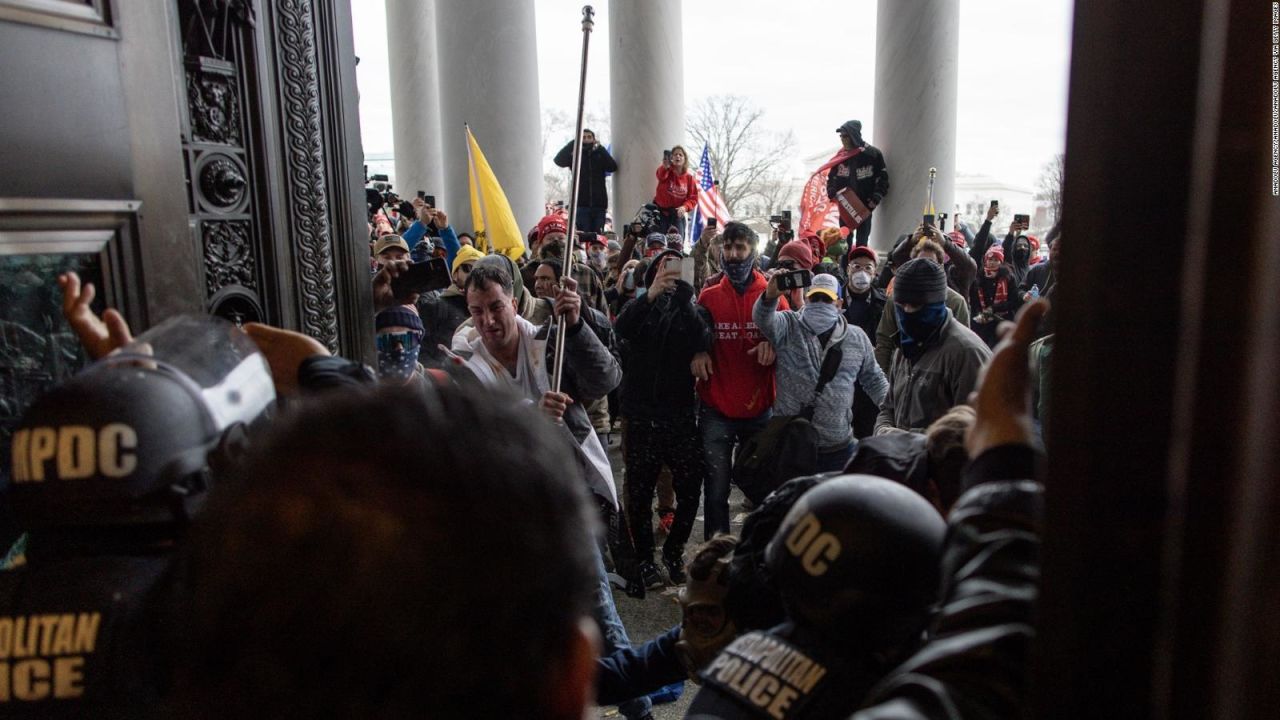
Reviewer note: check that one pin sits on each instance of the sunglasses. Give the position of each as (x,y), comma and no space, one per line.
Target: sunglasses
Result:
(466,267)
(391,341)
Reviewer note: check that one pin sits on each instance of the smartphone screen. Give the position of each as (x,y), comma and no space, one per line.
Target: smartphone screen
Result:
(430,200)
(422,194)
(422,277)
(686,270)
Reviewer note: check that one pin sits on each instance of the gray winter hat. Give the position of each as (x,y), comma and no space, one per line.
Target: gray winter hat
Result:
(920,282)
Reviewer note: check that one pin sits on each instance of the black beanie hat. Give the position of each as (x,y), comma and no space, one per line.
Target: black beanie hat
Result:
(398,316)
(656,262)
(920,282)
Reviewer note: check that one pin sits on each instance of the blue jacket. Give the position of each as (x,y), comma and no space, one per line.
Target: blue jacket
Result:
(636,671)
(417,231)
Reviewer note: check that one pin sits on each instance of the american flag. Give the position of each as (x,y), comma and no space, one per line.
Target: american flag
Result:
(710,204)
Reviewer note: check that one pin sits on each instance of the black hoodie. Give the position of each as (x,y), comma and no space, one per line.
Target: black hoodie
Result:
(660,339)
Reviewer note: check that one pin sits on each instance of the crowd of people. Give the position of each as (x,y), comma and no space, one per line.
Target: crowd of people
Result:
(435,535)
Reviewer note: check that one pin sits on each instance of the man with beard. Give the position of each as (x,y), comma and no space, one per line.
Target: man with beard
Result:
(735,377)
(937,361)
(863,170)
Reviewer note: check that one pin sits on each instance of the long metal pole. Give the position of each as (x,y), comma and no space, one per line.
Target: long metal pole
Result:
(588,23)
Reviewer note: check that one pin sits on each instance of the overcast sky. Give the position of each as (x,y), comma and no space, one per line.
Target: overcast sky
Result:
(787,57)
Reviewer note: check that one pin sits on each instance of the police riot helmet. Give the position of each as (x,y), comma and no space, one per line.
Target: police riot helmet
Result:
(859,555)
(127,441)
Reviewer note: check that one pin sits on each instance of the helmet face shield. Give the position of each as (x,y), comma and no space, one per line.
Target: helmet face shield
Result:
(127,441)
(217,358)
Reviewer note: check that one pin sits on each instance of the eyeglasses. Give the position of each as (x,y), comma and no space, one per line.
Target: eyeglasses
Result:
(785,265)
(391,341)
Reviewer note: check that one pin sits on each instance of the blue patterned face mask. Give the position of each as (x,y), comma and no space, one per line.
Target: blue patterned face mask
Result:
(398,355)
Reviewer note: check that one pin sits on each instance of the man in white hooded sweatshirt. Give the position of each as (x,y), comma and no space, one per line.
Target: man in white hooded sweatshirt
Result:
(510,353)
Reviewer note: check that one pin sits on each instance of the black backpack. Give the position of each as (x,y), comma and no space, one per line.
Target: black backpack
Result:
(788,446)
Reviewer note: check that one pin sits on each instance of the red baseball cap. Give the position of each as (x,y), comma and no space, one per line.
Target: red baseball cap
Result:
(862,251)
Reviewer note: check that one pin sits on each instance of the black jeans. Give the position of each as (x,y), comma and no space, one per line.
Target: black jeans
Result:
(861,234)
(590,219)
(648,445)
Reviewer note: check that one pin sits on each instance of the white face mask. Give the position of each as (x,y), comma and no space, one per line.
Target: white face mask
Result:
(860,281)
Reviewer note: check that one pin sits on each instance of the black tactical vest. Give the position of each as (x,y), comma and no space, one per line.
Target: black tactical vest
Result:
(78,638)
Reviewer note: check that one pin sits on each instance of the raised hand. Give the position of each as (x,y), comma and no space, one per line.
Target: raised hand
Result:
(100,336)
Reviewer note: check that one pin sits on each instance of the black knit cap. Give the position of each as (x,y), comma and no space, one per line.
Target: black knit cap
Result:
(656,264)
(398,316)
(920,282)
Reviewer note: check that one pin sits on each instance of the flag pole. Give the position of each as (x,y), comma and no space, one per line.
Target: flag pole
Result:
(588,23)
(473,182)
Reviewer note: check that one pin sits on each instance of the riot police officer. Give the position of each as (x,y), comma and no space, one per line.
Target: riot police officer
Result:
(107,470)
(856,562)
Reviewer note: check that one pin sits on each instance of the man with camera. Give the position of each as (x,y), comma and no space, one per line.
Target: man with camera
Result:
(593,196)
(435,223)
(804,341)
(663,332)
(862,170)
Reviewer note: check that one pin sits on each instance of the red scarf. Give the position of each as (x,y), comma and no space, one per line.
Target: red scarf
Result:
(1002,293)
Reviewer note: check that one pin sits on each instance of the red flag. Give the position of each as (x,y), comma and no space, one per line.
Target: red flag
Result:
(816,210)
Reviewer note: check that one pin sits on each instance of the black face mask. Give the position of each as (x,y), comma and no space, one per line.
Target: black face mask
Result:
(1022,253)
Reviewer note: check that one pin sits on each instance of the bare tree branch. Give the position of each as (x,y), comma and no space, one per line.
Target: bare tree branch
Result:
(745,156)
(1052,177)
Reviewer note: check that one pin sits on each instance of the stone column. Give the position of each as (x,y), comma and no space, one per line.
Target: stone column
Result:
(646,91)
(915,110)
(415,97)
(489,79)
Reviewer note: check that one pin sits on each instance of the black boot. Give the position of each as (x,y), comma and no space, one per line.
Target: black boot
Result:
(675,568)
(649,576)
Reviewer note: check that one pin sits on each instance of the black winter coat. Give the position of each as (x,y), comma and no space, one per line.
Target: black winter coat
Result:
(975,661)
(596,163)
(865,173)
(659,340)
(441,314)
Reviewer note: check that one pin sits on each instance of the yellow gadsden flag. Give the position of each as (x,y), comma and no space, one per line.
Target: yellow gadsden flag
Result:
(495,224)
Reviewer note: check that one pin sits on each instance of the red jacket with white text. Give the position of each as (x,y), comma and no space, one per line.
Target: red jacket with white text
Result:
(740,387)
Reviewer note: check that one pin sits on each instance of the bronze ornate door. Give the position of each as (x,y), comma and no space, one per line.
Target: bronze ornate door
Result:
(185,155)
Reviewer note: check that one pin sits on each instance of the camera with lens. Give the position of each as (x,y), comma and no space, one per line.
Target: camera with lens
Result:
(782,223)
